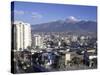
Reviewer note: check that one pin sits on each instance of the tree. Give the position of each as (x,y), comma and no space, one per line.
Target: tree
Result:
(29,48)
(63,43)
(94,62)
(76,61)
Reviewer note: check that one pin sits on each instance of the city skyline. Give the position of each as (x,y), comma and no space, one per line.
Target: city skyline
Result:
(36,13)
(66,39)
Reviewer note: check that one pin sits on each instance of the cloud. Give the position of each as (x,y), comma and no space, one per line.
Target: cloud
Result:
(36,15)
(19,12)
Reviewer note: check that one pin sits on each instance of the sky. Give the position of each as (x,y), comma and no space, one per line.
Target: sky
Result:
(36,13)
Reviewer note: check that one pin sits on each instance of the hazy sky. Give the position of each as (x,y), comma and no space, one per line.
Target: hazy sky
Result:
(35,13)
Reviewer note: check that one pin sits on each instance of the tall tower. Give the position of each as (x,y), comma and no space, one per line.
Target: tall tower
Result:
(21,35)
(38,41)
(27,35)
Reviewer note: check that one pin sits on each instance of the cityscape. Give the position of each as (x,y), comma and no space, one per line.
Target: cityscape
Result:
(51,44)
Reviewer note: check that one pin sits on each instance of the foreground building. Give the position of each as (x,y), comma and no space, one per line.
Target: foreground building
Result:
(21,36)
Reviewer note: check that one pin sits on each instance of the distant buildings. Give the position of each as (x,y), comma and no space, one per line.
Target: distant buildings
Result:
(21,36)
(74,38)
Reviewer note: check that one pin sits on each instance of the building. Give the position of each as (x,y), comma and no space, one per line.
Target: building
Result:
(27,35)
(90,58)
(74,38)
(71,55)
(38,41)
(21,36)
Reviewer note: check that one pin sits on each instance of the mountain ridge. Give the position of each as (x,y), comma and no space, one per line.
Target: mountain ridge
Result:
(61,26)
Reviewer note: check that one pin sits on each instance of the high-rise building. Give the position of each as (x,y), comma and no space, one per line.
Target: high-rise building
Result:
(27,35)
(38,41)
(21,35)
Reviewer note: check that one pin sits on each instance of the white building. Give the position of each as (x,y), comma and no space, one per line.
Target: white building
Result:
(67,58)
(38,41)
(22,35)
(27,35)
(74,38)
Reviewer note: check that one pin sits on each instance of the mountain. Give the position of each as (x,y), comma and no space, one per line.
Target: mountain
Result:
(66,25)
